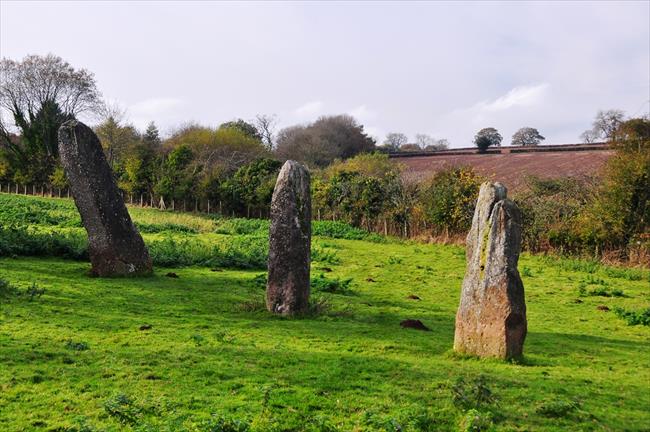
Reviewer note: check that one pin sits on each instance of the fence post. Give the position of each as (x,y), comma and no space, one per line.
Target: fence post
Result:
(140,200)
(208,206)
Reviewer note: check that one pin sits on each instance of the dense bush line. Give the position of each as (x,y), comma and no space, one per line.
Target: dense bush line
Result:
(606,216)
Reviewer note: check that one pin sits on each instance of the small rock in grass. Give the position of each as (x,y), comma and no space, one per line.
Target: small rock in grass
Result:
(414,324)
(172,275)
(370,280)
(602,308)
(145,327)
(413,297)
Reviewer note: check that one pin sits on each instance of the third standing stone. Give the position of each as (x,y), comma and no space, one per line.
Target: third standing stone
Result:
(491,318)
(287,290)
(114,244)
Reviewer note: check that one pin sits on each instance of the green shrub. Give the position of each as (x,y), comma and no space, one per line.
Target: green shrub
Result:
(634,317)
(151,228)
(123,409)
(241,226)
(319,283)
(323,255)
(341,230)
(76,346)
(476,421)
(7,289)
(557,408)
(448,199)
(337,286)
(220,423)
(475,394)
(238,252)
(24,241)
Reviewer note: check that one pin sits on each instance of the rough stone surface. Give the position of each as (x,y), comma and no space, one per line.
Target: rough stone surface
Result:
(114,244)
(491,318)
(287,290)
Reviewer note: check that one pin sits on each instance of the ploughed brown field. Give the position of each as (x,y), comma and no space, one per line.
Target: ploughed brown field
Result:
(512,165)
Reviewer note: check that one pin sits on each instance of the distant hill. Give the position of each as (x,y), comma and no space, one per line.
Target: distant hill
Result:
(511,165)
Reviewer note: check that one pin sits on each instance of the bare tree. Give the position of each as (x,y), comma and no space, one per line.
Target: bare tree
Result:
(589,136)
(606,122)
(395,140)
(39,93)
(424,140)
(27,86)
(440,144)
(604,126)
(266,125)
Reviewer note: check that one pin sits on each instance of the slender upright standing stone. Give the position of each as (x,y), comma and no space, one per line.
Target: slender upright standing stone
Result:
(287,290)
(114,244)
(491,318)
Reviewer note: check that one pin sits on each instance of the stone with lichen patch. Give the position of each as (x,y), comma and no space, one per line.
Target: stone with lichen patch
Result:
(287,289)
(114,244)
(491,318)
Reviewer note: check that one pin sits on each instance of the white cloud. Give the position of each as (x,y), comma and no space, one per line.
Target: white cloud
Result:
(154,106)
(362,113)
(520,96)
(163,110)
(308,110)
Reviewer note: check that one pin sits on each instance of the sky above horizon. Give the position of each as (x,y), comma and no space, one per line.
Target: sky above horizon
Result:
(440,68)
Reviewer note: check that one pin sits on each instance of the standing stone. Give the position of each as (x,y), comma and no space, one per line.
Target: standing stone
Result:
(114,244)
(491,318)
(287,290)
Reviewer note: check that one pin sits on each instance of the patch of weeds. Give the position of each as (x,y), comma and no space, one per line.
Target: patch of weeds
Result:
(476,421)
(335,286)
(257,304)
(123,409)
(413,418)
(259,281)
(341,230)
(7,289)
(395,260)
(634,317)
(198,339)
(37,378)
(323,255)
(76,346)
(34,292)
(557,408)
(475,394)
(318,305)
(220,423)
(82,425)
(601,291)
(224,337)
(525,271)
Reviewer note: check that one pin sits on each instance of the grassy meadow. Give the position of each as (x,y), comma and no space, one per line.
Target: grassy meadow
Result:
(192,348)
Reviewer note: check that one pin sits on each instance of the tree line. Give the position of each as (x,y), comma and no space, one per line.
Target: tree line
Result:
(234,166)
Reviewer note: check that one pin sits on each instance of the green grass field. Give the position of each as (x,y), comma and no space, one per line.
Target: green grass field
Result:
(199,353)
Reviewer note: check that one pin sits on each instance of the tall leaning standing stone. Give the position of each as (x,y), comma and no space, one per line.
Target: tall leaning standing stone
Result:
(114,244)
(287,290)
(491,318)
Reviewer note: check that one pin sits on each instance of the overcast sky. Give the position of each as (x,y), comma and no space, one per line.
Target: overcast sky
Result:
(445,69)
